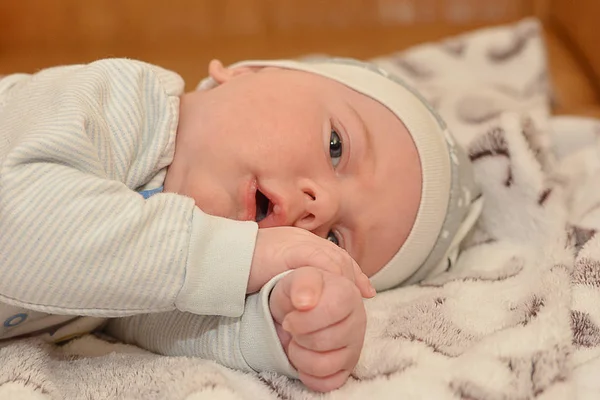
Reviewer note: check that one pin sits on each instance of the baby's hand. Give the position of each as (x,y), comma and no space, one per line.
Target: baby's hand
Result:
(283,248)
(321,321)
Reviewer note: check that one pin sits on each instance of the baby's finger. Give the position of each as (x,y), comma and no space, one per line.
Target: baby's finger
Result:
(321,365)
(280,302)
(326,384)
(348,331)
(350,269)
(326,256)
(284,337)
(338,301)
(322,254)
(362,282)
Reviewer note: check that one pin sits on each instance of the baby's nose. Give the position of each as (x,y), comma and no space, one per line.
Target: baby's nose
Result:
(319,208)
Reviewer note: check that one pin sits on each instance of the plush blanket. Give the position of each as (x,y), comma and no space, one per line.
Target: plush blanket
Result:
(515,317)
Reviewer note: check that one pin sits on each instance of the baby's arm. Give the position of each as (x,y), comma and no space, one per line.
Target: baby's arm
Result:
(248,343)
(323,313)
(76,238)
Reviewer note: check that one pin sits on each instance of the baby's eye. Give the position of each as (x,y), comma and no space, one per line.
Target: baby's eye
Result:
(332,237)
(335,147)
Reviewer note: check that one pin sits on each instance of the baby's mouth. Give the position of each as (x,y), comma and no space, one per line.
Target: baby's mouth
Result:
(263,206)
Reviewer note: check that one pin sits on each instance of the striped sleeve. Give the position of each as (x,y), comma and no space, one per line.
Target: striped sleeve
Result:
(76,238)
(248,343)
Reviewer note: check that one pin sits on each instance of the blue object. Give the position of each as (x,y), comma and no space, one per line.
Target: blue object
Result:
(15,320)
(146,194)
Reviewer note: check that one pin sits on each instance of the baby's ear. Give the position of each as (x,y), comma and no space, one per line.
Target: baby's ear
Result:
(222,74)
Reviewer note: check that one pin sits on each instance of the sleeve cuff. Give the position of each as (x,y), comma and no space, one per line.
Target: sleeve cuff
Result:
(219,259)
(259,343)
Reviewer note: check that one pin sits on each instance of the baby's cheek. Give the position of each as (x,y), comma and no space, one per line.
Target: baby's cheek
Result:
(214,200)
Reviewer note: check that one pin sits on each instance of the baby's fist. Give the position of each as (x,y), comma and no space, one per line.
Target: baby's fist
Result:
(321,322)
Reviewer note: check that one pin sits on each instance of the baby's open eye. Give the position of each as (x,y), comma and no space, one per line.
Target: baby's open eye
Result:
(332,237)
(335,147)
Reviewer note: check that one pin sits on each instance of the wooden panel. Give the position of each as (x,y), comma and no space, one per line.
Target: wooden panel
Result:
(190,59)
(73,23)
(572,88)
(578,23)
(185,34)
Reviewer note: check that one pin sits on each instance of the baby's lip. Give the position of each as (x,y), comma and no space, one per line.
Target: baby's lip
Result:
(276,216)
(250,200)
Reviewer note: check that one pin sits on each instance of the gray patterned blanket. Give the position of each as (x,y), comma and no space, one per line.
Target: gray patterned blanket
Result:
(514,318)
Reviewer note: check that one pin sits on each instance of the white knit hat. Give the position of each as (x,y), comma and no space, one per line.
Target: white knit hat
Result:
(448,188)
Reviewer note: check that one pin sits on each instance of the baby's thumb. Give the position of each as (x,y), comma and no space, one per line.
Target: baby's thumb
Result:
(299,289)
(306,287)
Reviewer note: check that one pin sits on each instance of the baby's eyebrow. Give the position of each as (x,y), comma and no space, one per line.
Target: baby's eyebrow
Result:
(366,152)
(364,130)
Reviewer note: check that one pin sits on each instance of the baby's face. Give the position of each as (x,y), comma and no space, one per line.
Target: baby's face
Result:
(283,147)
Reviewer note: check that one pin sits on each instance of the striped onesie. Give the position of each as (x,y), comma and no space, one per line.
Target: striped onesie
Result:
(79,245)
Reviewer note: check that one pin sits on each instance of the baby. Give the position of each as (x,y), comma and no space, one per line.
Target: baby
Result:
(237,223)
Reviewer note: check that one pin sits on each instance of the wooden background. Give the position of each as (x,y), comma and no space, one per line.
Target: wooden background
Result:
(184,35)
